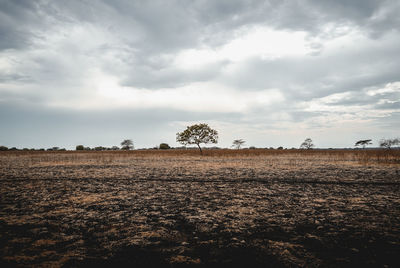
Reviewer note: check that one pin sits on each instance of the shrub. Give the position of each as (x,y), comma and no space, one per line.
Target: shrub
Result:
(80,148)
(164,146)
(3,148)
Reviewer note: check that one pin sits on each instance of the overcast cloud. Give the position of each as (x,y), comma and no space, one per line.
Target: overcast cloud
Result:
(270,72)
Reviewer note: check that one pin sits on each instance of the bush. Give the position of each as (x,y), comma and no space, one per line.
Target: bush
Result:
(80,148)
(164,146)
(3,148)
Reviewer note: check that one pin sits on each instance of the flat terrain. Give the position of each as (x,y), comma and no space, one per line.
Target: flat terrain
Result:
(176,208)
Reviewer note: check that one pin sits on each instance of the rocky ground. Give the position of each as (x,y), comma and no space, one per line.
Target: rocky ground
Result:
(286,210)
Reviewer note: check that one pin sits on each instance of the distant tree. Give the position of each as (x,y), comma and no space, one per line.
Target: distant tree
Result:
(363,143)
(307,144)
(79,148)
(389,143)
(280,148)
(3,148)
(164,146)
(197,134)
(115,148)
(127,145)
(238,143)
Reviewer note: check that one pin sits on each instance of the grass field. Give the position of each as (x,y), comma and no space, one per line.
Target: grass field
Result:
(176,208)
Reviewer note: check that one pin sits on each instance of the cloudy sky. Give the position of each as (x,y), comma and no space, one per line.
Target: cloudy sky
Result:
(272,72)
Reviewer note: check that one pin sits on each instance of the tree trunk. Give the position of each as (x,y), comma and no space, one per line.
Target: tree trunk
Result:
(198,145)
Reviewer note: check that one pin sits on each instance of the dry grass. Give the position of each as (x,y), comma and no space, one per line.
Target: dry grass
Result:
(377,156)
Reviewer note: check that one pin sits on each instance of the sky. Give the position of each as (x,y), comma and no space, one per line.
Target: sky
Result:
(272,72)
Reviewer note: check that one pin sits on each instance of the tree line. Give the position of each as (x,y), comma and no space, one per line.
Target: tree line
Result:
(198,134)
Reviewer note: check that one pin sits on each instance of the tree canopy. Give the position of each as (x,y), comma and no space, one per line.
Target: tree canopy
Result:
(127,145)
(197,134)
(307,144)
(238,143)
(363,143)
(389,143)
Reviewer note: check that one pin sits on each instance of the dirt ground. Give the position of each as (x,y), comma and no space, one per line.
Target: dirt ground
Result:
(283,210)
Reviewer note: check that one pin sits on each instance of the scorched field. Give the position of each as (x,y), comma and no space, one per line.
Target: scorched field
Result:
(278,208)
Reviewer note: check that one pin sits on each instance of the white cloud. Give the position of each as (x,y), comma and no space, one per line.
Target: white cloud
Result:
(388,88)
(260,42)
(195,97)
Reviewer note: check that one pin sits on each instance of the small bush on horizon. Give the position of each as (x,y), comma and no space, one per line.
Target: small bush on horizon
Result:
(80,148)
(3,148)
(164,146)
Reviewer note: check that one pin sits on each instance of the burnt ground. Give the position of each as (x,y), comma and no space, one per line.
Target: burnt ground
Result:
(193,211)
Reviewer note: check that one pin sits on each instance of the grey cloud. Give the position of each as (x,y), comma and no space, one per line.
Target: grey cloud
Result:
(155,26)
(19,22)
(4,78)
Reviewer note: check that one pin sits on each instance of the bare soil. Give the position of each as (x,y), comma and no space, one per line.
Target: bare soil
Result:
(287,210)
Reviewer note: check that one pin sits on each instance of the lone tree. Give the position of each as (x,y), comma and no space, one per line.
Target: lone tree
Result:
(388,143)
(197,134)
(238,143)
(127,145)
(307,144)
(363,143)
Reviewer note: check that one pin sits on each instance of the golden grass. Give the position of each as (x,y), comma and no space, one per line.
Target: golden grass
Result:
(362,156)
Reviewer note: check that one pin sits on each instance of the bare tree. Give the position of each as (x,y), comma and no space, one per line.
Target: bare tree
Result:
(197,134)
(363,143)
(127,145)
(307,144)
(238,143)
(389,143)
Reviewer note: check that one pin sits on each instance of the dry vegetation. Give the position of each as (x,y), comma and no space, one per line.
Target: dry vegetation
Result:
(247,207)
